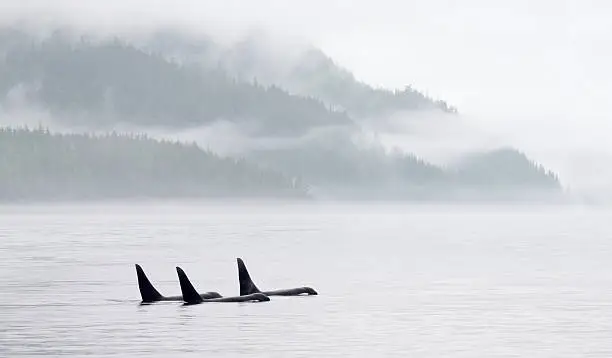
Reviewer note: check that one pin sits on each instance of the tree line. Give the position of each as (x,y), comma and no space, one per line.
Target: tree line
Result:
(37,164)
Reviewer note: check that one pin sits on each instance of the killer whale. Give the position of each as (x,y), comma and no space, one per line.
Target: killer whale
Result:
(192,297)
(247,286)
(149,294)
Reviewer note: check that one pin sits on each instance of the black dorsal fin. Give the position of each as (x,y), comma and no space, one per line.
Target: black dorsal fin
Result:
(147,291)
(190,295)
(247,286)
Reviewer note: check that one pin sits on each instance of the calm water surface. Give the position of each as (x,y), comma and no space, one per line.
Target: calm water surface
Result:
(417,281)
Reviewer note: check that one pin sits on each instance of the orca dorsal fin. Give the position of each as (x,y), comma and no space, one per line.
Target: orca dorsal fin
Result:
(147,291)
(190,295)
(247,286)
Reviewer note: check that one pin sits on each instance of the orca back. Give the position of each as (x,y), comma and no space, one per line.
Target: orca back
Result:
(247,286)
(147,291)
(190,295)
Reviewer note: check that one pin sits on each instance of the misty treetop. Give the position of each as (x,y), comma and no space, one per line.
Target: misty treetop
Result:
(504,167)
(305,70)
(36,164)
(116,82)
(315,74)
(186,81)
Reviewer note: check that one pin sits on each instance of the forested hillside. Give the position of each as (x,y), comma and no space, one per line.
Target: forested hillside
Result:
(180,83)
(335,166)
(306,71)
(38,165)
(312,73)
(113,82)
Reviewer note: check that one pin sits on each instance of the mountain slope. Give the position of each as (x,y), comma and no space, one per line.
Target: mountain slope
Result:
(305,71)
(174,84)
(38,165)
(111,82)
(312,73)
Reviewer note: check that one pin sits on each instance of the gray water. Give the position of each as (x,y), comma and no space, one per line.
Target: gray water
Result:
(417,281)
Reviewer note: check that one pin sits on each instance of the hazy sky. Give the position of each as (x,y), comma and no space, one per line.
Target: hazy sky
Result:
(535,71)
